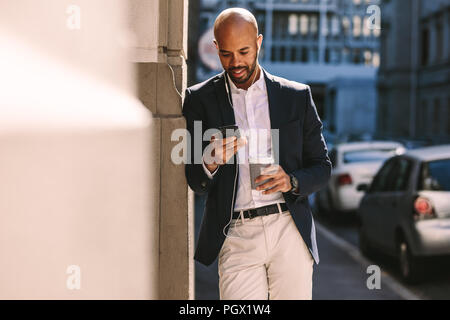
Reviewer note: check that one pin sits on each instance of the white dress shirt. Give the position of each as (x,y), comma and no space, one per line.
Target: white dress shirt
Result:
(251,112)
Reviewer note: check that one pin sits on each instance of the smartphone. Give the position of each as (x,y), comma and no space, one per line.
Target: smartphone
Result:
(230,131)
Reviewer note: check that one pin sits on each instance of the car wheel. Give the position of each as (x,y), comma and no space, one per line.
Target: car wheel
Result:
(410,266)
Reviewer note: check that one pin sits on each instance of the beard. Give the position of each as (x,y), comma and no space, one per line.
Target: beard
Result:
(250,72)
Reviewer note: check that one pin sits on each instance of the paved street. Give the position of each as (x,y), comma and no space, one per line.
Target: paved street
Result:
(436,286)
(339,274)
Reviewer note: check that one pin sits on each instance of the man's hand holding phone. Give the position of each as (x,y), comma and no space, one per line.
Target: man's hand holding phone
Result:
(220,151)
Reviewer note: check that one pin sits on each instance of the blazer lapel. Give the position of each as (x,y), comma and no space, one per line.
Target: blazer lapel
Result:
(275,100)
(226,109)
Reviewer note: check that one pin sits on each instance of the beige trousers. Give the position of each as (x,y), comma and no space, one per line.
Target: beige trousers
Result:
(265,258)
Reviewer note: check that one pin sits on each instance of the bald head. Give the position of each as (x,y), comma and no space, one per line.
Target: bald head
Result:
(235,19)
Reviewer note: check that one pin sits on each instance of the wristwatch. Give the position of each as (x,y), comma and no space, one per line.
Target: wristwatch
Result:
(294,183)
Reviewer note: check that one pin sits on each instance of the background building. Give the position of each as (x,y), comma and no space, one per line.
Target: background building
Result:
(332,45)
(414,76)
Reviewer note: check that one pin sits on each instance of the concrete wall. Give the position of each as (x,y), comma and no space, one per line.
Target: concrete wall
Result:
(87,181)
(157,88)
(79,198)
(99,47)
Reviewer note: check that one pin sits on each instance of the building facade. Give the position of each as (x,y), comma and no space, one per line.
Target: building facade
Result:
(328,44)
(414,75)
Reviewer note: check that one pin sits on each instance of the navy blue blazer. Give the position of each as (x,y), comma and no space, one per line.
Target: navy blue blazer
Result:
(302,152)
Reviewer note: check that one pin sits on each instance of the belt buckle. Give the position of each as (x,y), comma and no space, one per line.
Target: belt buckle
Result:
(266,211)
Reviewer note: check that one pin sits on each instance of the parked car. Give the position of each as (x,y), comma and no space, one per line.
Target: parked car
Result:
(406,210)
(353,163)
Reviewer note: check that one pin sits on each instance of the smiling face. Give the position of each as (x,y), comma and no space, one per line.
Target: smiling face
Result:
(238,43)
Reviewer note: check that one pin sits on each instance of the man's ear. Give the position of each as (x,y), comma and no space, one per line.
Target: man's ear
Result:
(216,44)
(260,39)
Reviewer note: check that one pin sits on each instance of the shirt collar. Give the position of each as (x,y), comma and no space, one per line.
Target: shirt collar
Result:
(258,83)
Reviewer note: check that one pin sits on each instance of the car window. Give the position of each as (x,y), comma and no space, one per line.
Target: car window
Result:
(381,181)
(435,176)
(400,175)
(369,155)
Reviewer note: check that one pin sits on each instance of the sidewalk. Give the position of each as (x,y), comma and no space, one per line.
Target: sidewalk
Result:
(339,276)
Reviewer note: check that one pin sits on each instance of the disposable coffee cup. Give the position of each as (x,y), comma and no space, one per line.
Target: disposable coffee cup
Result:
(257,165)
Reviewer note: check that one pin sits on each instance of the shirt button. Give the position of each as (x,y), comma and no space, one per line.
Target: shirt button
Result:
(203,184)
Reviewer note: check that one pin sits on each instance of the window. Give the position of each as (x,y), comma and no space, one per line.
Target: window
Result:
(314,25)
(304,21)
(282,54)
(367,57)
(293,24)
(346,55)
(439,43)
(335,26)
(346,25)
(435,175)
(293,54)
(273,54)
(436,117)
(335,56)
(425,45)
(366,30)
(283,27)
(376,59)
(380,182)
(314,55)
(327,55)
(356,56)
(368,155)
(421,117)
(401,173)
(356,26)
(261,19)
(305,57)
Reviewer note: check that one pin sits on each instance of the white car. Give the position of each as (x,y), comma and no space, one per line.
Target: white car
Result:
(406,210)
(354,163)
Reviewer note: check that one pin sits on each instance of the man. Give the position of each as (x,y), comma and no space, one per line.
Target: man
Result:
(264,237)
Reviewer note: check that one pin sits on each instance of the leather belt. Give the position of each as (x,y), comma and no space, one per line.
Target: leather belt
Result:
(261,211)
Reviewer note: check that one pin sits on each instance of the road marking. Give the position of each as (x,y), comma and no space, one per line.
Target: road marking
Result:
(353,252)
